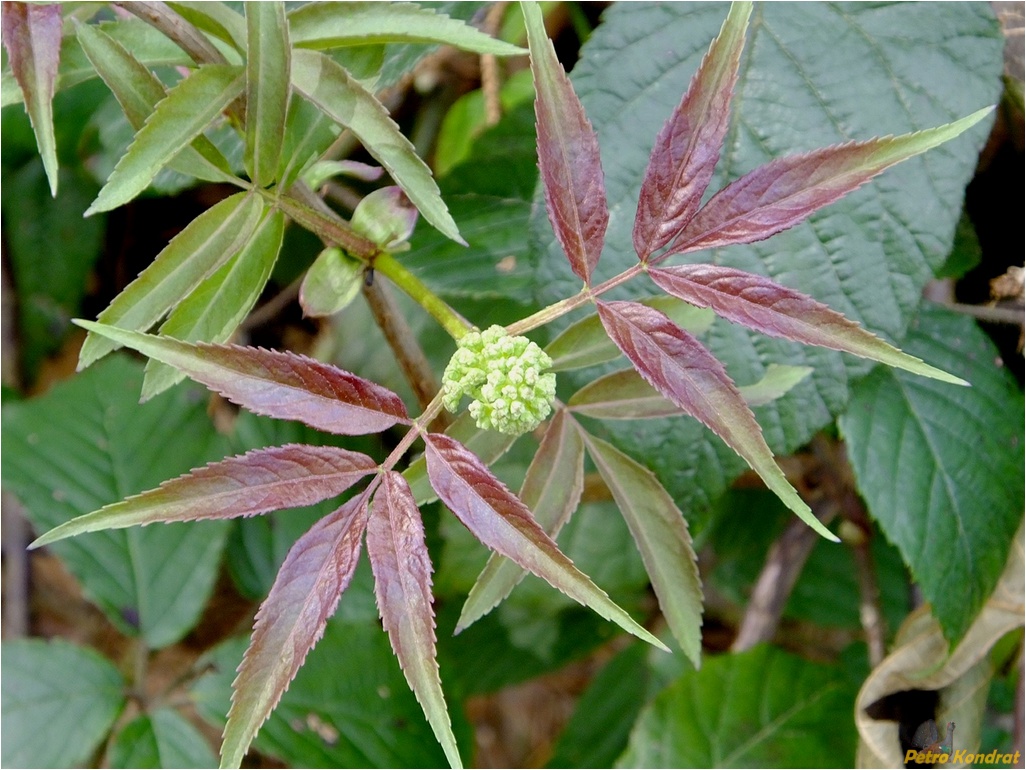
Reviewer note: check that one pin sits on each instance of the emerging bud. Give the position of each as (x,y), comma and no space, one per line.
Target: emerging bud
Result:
(505,376)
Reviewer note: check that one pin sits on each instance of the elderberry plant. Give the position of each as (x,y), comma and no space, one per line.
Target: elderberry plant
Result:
(266,74)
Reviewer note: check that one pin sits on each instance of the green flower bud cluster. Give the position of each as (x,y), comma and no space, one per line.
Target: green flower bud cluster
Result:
(504,377)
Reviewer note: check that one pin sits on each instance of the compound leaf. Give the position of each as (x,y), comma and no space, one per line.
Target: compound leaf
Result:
(286,386)
(189,108)
(503,523)
(688,146)
(766,306)
(661,533)
(402,583)
(788,190)
(333,25)
(263,480)
(309,585)
(267,88)
(551,491)
(32,36)
(328,86)
(568,155)
(677,365)
(866,256)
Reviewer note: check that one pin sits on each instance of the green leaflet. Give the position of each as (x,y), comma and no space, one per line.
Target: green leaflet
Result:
(138,91)
(332,25)
(189,108)
(551,491)
(662,536)
(267,88)
(211,239)
(330,87)
(215,308)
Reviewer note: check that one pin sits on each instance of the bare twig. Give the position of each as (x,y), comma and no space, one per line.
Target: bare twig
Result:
(192,41)
(999,315)
(870,614)
(490,83)
(784,563)
(16,569)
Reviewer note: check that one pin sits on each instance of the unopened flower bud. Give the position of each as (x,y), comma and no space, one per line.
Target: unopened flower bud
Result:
(506,379)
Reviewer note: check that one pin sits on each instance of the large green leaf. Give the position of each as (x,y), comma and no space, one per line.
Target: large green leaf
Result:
(941,468)
(867,256)
(59,702)
(761,708)
(88,443)
(349,705)
(161,739)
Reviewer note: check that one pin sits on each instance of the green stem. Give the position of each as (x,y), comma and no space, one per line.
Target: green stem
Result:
(450,320)
(564,306)
(334,230)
